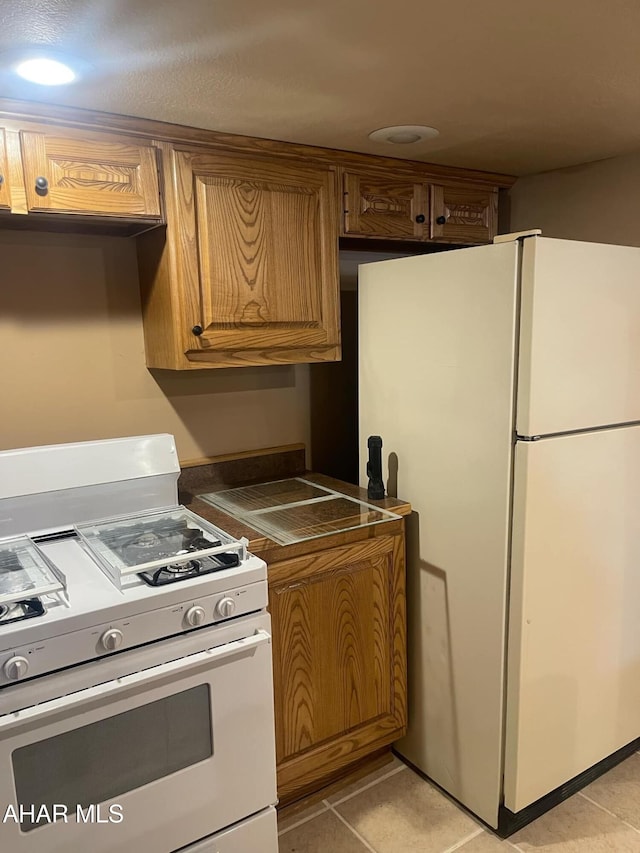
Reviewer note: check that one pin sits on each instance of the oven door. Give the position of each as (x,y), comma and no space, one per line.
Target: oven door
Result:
(142,757)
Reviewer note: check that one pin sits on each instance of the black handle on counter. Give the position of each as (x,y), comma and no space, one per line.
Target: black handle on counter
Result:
(375,489)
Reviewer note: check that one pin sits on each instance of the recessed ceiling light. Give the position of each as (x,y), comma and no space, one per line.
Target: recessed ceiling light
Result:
(45,72)
(404,134)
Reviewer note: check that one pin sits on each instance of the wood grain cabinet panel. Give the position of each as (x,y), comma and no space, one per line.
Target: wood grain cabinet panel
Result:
(463,214)
(259,254)
(5,198)
(94,176)
(392,207)
(338,622)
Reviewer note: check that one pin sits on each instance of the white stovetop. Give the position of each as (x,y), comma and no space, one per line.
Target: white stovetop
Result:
(94,599)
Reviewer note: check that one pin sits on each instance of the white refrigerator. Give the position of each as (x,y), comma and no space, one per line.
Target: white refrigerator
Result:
(505,383)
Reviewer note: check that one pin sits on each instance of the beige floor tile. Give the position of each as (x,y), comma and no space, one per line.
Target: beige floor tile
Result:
(389,767)
(294,815)
(577,826)
(323,834)
(486,843)
(405,814)
(619,790)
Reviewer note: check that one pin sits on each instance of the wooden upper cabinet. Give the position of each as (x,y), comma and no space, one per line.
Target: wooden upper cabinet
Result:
(93,175)
(463,214)
(5,199)
(392,207)
(399,206)
(258,248)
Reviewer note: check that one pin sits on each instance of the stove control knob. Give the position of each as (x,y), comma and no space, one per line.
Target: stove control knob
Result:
(16,668)
(195,616)
(112,639)
(226,607)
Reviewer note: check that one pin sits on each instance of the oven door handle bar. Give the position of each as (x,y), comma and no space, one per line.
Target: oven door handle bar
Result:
(92,696)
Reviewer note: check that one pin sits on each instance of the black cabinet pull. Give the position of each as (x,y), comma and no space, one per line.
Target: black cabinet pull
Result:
(420,218)
(441,220)
(42,185)
(197,330)
(1,180)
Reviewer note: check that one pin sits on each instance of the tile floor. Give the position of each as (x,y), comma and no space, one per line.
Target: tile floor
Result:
(393,810)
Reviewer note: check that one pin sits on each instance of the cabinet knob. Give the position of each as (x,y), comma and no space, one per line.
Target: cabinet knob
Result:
(42,185)
(441,220)
(197,330)
(420,218)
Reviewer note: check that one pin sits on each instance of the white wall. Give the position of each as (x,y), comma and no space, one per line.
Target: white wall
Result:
(597,202)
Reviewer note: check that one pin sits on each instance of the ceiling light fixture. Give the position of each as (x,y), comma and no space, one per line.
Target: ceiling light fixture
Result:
(45,72)
(404,134)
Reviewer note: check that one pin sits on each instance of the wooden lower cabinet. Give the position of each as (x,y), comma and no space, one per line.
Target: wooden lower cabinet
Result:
(339,658)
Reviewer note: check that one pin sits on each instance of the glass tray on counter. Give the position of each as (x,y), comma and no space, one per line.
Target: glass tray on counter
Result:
(294,510)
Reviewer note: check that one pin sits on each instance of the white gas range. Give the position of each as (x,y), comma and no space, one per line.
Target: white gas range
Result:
(136,697)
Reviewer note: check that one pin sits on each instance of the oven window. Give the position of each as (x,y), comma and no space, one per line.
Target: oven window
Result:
(100,761)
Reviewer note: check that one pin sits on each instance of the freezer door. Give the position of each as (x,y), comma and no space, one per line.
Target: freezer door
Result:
(573,686)
(579,364)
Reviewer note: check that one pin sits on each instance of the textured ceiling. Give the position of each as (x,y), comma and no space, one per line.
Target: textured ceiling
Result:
(512,86)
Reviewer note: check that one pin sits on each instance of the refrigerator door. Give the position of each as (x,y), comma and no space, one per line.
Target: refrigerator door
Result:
(437,367)
(579,364)
(574,634)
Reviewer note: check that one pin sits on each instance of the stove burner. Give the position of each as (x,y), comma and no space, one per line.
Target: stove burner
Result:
(190,567)
(175,572)
(19,610)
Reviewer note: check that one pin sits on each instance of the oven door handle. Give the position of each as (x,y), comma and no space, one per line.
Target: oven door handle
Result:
(74,701)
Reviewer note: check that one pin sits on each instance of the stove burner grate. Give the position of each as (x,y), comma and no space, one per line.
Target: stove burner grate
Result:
(175,572)
(29,608)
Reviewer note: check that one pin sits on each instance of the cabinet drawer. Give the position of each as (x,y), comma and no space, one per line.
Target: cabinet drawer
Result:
(90,176)
(258,834)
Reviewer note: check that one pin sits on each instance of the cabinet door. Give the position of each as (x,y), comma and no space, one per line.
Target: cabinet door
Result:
(463,214)
(338,622)
(389,207)
(5,200)
(90,175)
(260,248)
